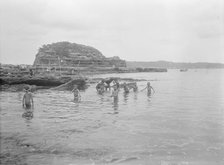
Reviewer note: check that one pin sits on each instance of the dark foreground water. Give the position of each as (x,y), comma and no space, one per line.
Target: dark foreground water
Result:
(181,124)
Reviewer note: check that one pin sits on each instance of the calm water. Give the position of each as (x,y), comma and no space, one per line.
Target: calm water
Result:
(181,124)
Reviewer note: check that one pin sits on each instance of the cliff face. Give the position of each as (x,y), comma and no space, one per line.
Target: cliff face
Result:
(66,54)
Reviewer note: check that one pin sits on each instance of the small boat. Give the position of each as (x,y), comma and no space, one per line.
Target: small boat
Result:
(183,70)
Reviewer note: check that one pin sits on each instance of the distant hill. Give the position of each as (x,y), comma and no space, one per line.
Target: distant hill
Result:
(173,65)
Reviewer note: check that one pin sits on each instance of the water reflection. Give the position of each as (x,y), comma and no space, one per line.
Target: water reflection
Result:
(149,96)
(76,101)
(136,96)
(28,115)
(126,97)
(115,105)
(28,121)
(76,104)
(101,98)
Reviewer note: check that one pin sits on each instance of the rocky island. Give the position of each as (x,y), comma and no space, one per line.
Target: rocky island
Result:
(70,58)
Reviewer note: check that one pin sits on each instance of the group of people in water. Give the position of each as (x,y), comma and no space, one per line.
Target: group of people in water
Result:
(105,84)
(101,87)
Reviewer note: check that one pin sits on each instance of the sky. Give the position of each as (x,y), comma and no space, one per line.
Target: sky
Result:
(134,30)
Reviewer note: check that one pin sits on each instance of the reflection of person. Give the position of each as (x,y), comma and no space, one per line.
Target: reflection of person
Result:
(149,88)
(76,93)
(126,97)
(27,99)
(115,105)
(126,89)
(28,115)
(115,96)
(135,96)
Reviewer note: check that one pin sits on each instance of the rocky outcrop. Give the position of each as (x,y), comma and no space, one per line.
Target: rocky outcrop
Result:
(66,55)
(60,83)
(39,81)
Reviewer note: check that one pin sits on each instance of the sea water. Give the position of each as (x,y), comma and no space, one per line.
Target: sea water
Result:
(182,123)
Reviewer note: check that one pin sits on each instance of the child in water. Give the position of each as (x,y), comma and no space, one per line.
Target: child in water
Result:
(100,87)
(115,92)
(76,93)
(115,81)
(27,99)
(135,87)
(149,88)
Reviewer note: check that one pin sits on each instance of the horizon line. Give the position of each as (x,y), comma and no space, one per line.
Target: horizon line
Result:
(129,61)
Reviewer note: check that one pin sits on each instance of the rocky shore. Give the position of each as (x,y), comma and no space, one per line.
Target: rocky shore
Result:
(17,82)
(15,79)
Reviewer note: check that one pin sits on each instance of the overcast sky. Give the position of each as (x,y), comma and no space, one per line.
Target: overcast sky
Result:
(134,30)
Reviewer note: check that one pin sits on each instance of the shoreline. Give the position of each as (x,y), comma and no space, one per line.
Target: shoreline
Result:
(16,83)
(12,76)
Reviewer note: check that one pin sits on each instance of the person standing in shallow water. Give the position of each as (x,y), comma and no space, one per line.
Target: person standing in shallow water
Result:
(115,96)
(27,99)
(135,87)
(100,87)
(76,93)
(115,92)
(115,81)
(149,89)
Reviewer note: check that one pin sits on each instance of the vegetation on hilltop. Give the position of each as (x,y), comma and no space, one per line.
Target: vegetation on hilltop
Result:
(67,49)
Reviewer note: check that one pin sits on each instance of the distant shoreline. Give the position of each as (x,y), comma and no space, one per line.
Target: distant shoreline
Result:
(160,64)
(176,65)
